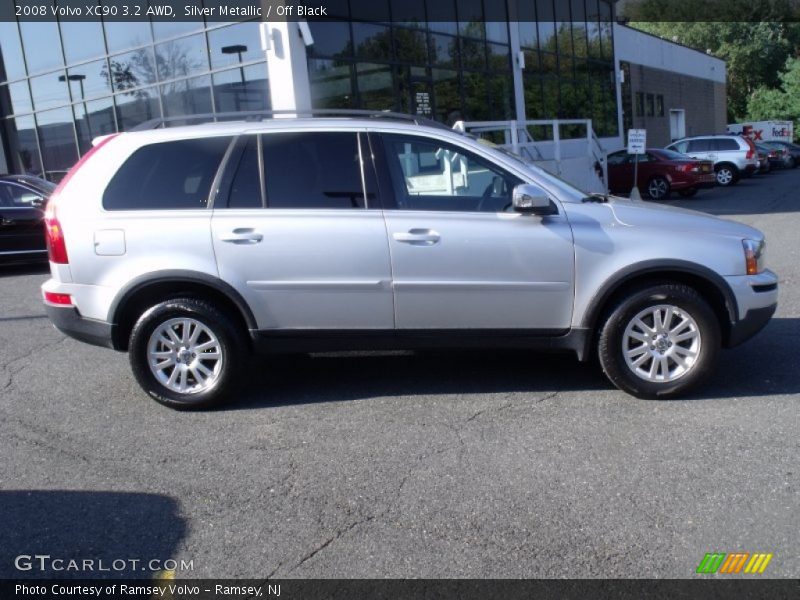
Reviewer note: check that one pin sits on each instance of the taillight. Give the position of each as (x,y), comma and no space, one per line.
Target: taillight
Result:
(690,168)
(752,151)
(56,245)
(59,299)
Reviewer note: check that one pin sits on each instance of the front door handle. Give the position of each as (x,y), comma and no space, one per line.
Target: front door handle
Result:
(243,235)
(418,237)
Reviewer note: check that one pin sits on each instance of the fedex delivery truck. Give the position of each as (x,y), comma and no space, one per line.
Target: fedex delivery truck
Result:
(765,131)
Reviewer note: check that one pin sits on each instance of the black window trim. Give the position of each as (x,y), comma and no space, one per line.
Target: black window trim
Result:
(231,163)
(213,190)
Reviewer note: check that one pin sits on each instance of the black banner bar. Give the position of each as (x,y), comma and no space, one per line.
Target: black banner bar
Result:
(331,589)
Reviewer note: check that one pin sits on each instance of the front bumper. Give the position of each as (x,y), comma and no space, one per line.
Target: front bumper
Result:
(69,321)
(757,300)
(754,321)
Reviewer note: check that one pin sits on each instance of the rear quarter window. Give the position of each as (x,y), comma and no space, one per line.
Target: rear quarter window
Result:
(727,144)
(167,176)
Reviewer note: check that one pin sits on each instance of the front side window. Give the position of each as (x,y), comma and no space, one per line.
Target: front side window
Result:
(430,175)
(167,175)
(15,196)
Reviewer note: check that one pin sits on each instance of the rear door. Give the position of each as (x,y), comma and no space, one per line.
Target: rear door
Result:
(461,257)
(21,220)
(298,231)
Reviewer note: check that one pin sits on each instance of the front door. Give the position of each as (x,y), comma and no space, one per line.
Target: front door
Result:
(461,258)
(298,235)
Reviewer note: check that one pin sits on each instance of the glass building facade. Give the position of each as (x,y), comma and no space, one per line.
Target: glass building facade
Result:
(459,63)
(62,84)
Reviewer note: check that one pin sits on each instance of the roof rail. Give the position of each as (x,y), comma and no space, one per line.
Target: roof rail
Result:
(261,115)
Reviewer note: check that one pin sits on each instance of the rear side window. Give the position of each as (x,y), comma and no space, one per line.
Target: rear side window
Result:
(700,145)
(167,176)
(727,144)
(313,170)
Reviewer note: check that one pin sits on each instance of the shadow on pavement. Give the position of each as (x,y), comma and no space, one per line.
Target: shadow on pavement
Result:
(766,365)
(80,525)
(774,192)
(17,270)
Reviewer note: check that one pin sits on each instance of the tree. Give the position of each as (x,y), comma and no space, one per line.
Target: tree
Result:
(782,103)
(754,52)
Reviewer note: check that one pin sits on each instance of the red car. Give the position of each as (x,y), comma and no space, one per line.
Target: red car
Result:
(660,172)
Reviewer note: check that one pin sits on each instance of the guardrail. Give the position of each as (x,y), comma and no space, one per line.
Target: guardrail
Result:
(518,138)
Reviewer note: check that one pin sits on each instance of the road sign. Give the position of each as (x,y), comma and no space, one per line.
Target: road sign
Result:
(637,141)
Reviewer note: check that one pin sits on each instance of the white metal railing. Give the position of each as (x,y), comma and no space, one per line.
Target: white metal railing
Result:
(517,137)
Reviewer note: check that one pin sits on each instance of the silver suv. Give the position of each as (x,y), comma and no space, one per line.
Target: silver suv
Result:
(191,247)
(733,156)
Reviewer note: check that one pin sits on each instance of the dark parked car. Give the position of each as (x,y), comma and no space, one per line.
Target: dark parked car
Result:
(777,157)
(793,151)
(791,156)
(22,200)
(765,164)
(661,171)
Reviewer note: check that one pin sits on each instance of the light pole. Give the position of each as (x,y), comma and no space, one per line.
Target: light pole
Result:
(79,78)
(236,49)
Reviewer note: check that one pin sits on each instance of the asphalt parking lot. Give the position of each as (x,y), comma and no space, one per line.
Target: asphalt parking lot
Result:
(433,465)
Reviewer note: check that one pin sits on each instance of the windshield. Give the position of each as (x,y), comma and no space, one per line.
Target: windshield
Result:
(542,176)
(38,183)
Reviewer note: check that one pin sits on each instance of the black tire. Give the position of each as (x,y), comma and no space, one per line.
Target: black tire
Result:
(726,174)
(613,343)
(230,341)
(689,192)
(658,188)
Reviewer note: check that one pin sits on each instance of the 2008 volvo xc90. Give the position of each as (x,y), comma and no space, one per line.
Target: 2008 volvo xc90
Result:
(190,247)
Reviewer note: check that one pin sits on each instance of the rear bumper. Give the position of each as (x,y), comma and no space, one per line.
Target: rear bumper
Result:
(69,321)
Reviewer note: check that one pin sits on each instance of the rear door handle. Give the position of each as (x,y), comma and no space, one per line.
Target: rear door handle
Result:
(243,235)
(418,237)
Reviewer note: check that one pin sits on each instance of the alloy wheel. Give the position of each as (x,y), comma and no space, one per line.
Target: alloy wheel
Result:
(185,355)
(661,343)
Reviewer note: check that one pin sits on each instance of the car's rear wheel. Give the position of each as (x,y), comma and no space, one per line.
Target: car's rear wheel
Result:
(658,188)
(726,175)
(186,354)
(659,341)
(688,192)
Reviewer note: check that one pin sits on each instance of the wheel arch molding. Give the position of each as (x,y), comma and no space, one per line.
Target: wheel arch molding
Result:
(151,288)
(708,283)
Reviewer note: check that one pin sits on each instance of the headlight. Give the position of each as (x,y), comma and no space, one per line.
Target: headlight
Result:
(754,255)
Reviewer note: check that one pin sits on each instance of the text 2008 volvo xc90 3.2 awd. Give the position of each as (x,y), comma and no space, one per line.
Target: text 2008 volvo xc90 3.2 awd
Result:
(191,247)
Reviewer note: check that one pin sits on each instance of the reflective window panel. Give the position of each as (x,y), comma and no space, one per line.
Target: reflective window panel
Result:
(242,89)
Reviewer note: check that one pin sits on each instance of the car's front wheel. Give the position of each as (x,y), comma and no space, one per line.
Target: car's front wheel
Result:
(659,341)
(186,354)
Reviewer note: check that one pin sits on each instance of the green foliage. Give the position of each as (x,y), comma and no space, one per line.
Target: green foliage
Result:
(754,52)
(782,103)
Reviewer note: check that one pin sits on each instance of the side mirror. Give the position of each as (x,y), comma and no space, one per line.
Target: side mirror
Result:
(532,200)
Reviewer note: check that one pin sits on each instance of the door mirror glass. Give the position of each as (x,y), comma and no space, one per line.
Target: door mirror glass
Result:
(531,199)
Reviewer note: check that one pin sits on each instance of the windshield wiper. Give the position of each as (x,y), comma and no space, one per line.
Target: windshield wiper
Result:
(601,198)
